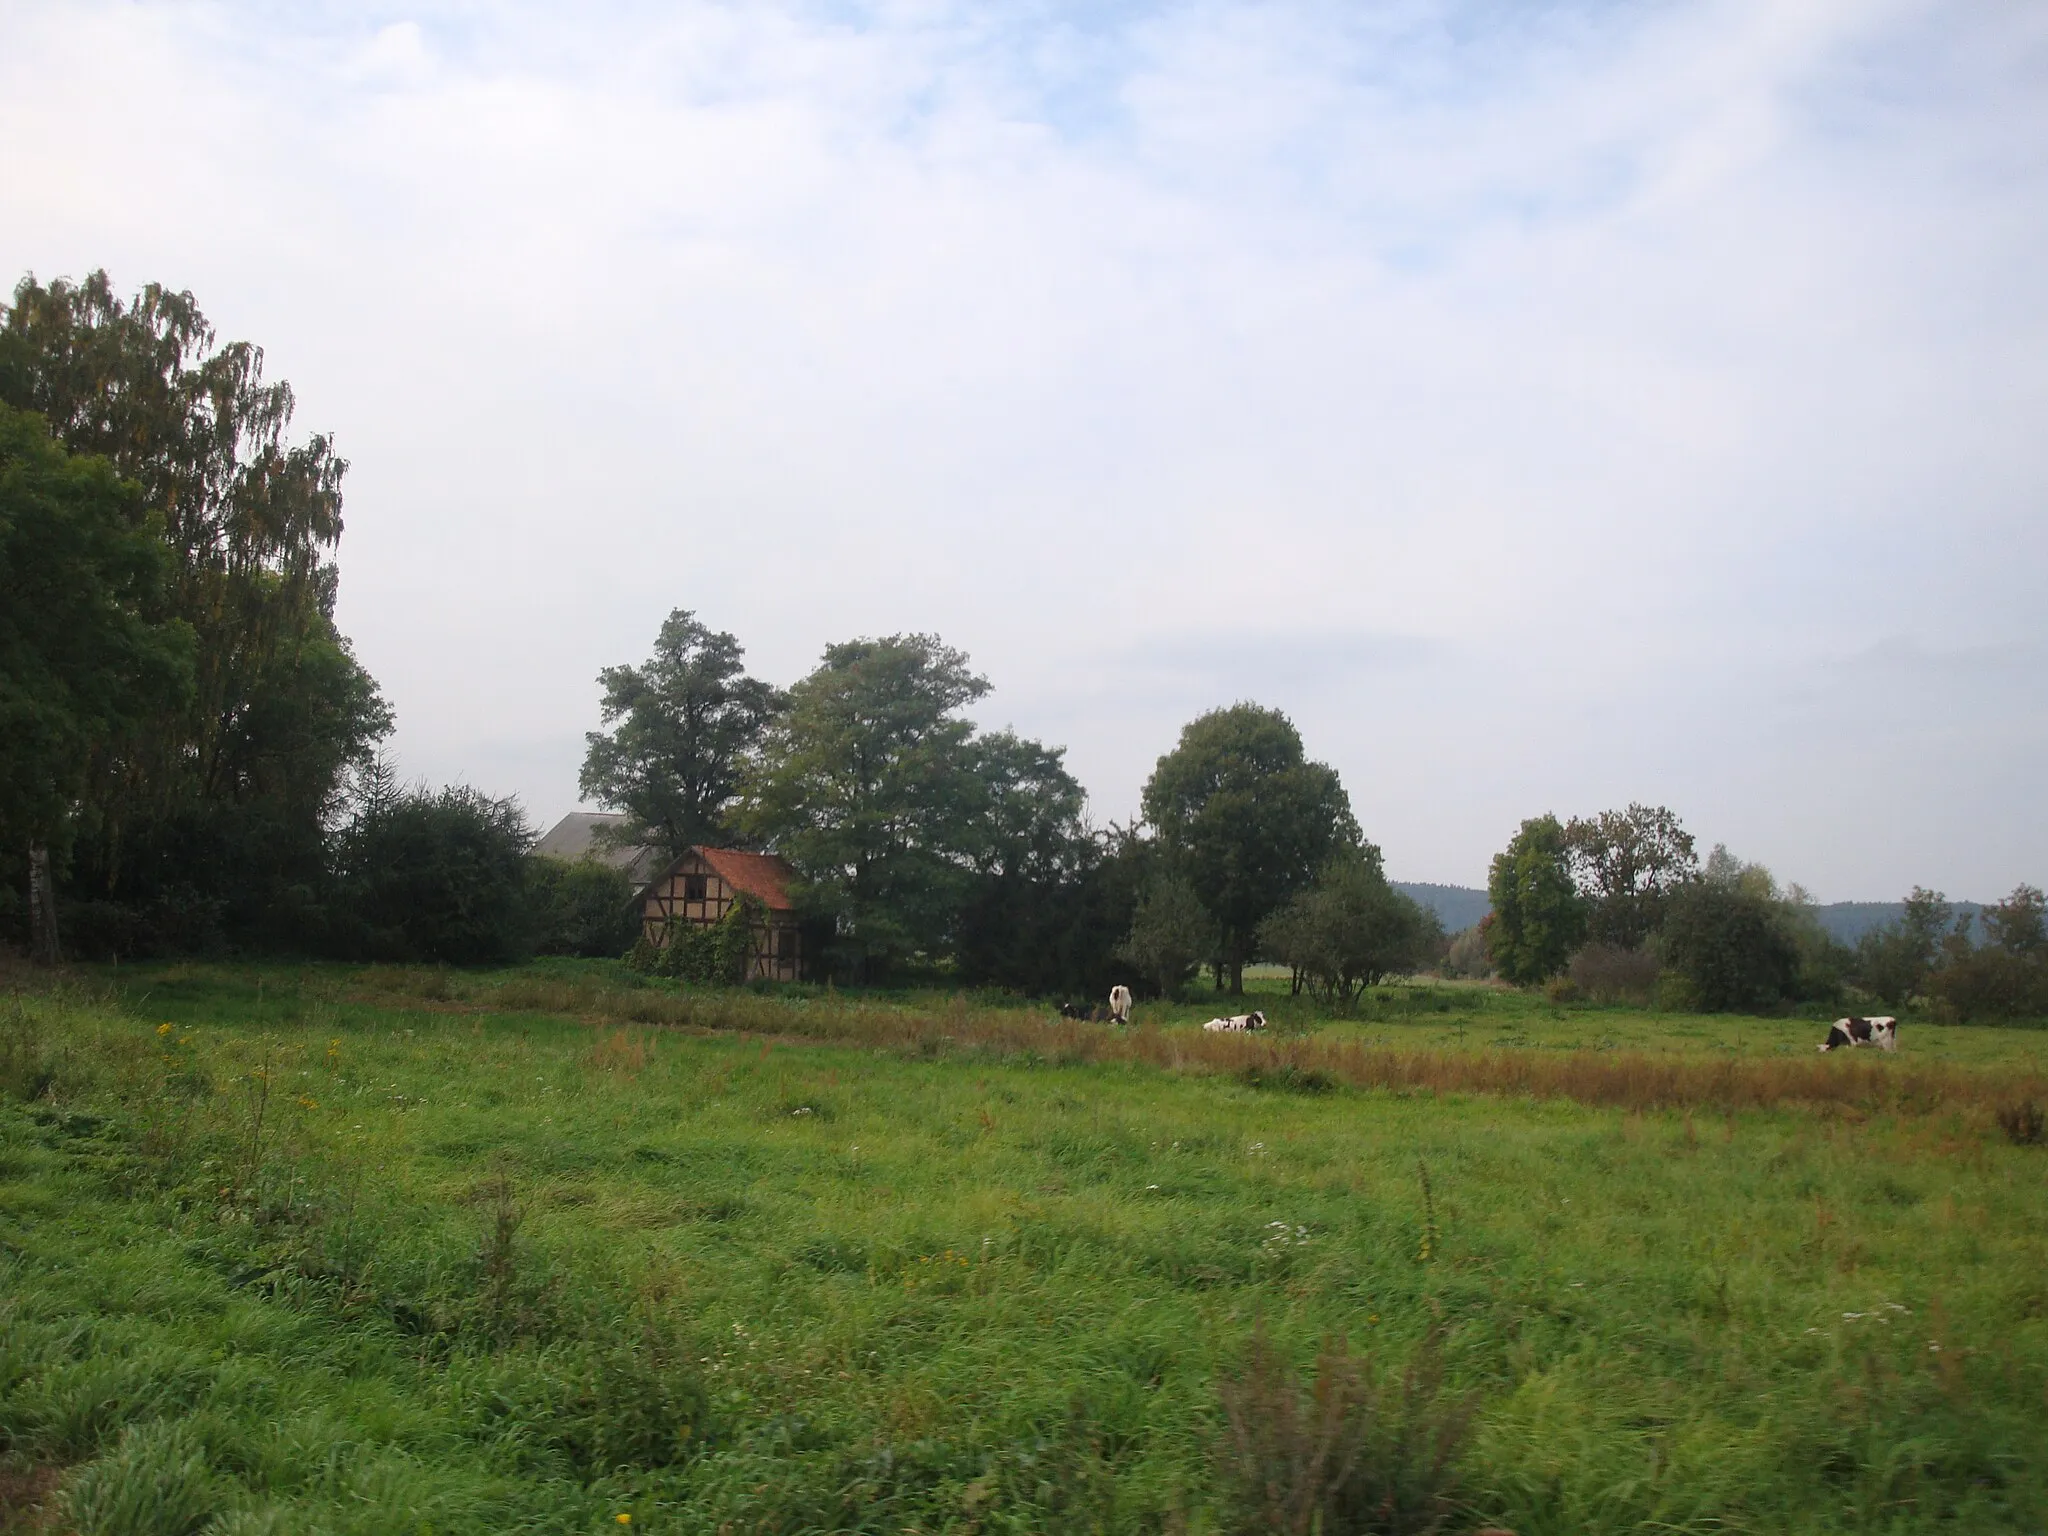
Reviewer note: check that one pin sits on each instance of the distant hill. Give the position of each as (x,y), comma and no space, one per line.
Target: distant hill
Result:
(1848,921)
(1457,907)
(1460,906)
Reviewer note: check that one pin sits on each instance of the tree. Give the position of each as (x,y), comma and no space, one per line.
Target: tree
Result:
(683,728)
(867,784)
(1350,930)
(235,777)
(439,876)
(1895,961)
(1043,903)
(80,665)
(1246,819)
(1626,863)
(1171,933)
(1732,945)
(581,908)
(2019,924)
(1539,918)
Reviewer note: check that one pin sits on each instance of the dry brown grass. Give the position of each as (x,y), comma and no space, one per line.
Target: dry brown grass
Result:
(1622,1079)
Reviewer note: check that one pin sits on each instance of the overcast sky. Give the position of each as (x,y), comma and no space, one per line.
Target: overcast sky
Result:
(1546,406)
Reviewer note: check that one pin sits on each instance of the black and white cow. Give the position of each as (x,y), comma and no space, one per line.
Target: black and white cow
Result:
(1882,1032)
(1119,1004)
(1236,1023)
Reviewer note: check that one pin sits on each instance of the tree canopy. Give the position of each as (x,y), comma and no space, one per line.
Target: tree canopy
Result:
(81,666)
(1538,917)
(1626,864)
(684,725)
(875,787)
(1246,819)
(1350,929)
(253,751)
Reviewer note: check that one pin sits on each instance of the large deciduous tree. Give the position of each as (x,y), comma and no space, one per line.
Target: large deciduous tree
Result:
(1539,918)
(230,781)
(80,664)
(1627,863)
(683,727)
(1245,818)
(868,785)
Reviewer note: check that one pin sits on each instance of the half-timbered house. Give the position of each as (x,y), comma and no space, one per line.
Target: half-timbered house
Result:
(701,887)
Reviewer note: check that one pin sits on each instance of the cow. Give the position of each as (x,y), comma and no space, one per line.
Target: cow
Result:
(1080,1011)
(1119,1004)
(1237,1023)
(1882,1032)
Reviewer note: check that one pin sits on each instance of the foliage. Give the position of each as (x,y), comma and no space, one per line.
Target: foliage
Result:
(1626,864)
(581,908)
(1246,819)
(279,708)
(1347,1455)
(1607,973)
(1732,945)
(713,954)
(1350,929)
(683,728)
(439,876)
(81,663)
(1465,954)
(1538,917)
(1894,962)
(877,790)
(1171,933)
(2005,979)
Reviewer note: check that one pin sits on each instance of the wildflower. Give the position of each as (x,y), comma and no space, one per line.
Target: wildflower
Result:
(306,1101)
(623,1518)
(165,1029)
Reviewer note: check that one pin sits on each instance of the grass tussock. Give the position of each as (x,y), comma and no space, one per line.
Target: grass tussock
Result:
(2023,1123)
(1348,1454)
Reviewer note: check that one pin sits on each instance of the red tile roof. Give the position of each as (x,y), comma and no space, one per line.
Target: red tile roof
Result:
(763,876)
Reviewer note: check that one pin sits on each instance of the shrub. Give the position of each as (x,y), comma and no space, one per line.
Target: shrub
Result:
(1607,973)
(584,908)
(1466,955)
(434,876)
(1347,1455)
(715,954)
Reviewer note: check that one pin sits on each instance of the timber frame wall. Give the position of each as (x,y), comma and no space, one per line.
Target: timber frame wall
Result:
(691,891)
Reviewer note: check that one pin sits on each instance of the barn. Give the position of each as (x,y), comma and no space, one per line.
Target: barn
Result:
(701,886)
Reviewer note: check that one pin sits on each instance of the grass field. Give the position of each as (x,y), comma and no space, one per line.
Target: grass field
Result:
(323,1250)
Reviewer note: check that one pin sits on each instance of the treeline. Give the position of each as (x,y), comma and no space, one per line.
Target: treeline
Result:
(188,746)
(930,850)
(1619,907)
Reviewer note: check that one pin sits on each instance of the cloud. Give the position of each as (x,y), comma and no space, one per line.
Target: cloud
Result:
(1532,400)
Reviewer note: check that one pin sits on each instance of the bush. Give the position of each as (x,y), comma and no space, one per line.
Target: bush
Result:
(584,908)
(434,877)
(1607,973)
(1347,1456)
(2023,1123)
(715,954)
(1466,955)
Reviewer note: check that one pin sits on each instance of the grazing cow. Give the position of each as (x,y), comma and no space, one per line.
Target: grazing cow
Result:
(1237,1023)
(1881,1032)
(1119,1004)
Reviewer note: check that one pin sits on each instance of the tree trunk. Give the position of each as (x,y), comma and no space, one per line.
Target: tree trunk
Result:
(42,908)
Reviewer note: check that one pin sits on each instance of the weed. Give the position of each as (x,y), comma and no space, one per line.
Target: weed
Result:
(2023,1123)
(154,1482)
(1345,1455)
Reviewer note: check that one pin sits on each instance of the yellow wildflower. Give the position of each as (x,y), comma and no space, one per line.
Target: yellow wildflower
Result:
(165,1029)
(623,1518)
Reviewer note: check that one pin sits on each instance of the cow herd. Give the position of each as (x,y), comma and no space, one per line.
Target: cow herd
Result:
(1881,1031)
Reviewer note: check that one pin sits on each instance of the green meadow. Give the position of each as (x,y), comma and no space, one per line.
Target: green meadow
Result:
(339,1250)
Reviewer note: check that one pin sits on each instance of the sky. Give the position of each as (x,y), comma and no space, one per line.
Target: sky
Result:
(1547,407)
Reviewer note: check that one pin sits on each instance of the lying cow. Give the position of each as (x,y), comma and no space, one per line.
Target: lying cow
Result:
(1080,1011)
(1236,1023)
(1119,1004)
(1880,1032)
